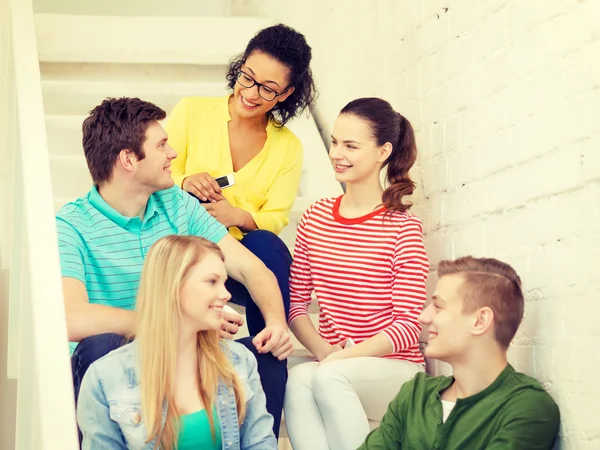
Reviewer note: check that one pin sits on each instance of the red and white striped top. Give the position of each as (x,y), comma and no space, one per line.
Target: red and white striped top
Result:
(368,274)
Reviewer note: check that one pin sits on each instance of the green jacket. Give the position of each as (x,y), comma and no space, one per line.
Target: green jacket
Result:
(514,412)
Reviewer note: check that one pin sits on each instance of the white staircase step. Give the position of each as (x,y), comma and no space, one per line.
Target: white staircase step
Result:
(146,40)
(78,71)
(288,234)
(60,202)
(65,135)
(132,8)
(79,97)
(318,177)
(70,177)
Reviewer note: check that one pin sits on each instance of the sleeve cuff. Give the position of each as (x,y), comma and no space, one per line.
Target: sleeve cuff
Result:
(387,335)
(67,273)
(297,312)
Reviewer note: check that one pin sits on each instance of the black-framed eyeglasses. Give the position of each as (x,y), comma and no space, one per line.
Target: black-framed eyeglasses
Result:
(265,92)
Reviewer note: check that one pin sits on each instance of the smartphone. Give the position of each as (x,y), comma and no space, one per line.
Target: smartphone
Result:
(229,309)
(225,181)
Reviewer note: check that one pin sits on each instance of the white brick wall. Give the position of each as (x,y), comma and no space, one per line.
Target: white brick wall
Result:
(505,97)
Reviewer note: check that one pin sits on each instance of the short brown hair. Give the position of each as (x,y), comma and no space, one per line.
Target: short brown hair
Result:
(492,283)
(112,126)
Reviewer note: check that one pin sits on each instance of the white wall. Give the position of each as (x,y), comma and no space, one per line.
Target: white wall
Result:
(506,102)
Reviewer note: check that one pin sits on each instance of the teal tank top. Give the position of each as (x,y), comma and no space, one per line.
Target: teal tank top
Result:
(194,432)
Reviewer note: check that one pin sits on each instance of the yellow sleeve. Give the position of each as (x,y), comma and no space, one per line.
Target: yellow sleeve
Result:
(275,212)
(177,131)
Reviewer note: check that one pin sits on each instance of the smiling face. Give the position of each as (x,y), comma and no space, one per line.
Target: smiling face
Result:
(450,328)
(355,155)
(203,294)
(267,71)
(154,170)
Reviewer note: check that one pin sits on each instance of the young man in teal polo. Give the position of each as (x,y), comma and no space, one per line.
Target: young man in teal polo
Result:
(104,237)
(475,312)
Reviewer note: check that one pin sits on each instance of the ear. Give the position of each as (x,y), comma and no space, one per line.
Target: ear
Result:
(283,97)
(484,319)
(384,152)
(127,159)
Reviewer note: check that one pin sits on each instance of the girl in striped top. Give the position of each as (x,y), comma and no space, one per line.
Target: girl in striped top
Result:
(362,254)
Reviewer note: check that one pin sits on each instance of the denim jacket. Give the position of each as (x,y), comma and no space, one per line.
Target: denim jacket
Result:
(109,406)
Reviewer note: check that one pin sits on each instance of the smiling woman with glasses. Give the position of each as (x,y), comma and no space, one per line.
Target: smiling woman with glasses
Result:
(243,136)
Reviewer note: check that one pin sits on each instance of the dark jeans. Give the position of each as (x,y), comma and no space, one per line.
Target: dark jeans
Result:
(273,373)
(271,250)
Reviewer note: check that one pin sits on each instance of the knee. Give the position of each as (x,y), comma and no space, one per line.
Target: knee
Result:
(325,380)
(270,368)
(299,382)
(268,247)
(258,237)
(95,347)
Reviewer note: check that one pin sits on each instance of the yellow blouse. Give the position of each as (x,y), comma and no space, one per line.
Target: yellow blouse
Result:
(266,186)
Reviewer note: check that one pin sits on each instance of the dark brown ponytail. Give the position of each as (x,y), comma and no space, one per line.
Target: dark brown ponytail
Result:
(390,126)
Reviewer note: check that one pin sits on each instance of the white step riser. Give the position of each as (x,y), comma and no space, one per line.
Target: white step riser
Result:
(145,40)
(135,7)
(78,98)
(70,177)
(132,72)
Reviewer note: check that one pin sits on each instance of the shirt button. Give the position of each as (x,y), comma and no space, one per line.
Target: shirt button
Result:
(437,445)
(439,421)
(135,418)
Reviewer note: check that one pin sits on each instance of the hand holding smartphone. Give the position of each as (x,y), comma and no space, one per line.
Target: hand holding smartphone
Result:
(206,188)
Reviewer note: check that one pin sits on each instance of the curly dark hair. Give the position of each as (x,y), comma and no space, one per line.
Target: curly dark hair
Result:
(112,126)
(289,47)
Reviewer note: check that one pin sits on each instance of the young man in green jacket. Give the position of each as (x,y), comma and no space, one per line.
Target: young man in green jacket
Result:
(475,312)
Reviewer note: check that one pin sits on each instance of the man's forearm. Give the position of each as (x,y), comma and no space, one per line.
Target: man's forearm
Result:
(90,319)
(263,288)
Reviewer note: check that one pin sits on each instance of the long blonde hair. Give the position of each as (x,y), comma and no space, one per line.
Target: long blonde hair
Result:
(158,310)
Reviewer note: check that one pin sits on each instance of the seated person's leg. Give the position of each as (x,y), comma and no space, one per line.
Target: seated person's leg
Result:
(301,410)
(273,377)
(89,350)
(349,392)
(273,252)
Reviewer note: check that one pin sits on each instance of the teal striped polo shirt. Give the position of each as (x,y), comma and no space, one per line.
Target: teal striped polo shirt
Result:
(106,250)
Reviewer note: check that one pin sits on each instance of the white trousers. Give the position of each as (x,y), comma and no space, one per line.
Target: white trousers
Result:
(328,407)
